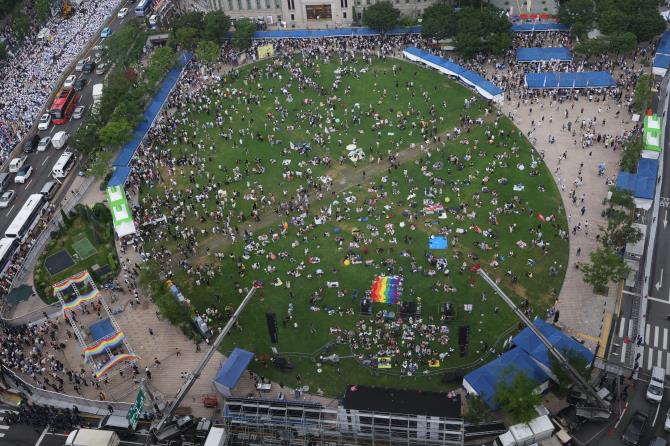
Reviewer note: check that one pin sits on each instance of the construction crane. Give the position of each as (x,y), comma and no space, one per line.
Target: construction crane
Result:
(163,429)
(596,407)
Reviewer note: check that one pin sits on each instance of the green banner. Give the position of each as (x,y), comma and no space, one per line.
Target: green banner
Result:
(135,411)
(121,213)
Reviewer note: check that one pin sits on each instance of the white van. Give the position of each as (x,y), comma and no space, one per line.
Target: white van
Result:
(655,389)
(63,165)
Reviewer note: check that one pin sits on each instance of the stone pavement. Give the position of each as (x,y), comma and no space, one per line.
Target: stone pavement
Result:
(581,311)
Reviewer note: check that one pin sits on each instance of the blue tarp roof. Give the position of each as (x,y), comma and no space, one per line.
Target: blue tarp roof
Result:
(662,57)
(643,183)
(532,27)
(438,242)
(336,32)
(594,79)
(128,150)
(464,74)
(119,177)
(101,329)
(503,369)
(233,368)
(531,344)
(543,54)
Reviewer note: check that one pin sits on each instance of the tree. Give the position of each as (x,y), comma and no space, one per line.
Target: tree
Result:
(577,361)
(125,45)
(216,27)
(613,21)
(605,265)
(115,133)
(21,24)
(577,11)
(439,22)
(102,165)
(3,51)
(193,19)
(476,411)
(186,36)
(592,47)
(163,58)
(518,398)
(42,10)
(381,16)
(207,51)
(86,138)
(116,87)
(244,32)
(622,42)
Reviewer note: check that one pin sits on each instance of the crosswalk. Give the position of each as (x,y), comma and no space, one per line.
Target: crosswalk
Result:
(655,349)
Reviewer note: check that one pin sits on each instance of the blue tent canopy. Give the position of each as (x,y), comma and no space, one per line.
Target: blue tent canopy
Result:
(232,370)
(582,79)
(483,87)
(119,177)
(543,27)
(503,369)
(531,344)
(101,329)
(643,183)
(662,58)
(543,54)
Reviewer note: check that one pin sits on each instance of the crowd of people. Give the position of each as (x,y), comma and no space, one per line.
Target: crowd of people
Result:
(36,64)
(191,216)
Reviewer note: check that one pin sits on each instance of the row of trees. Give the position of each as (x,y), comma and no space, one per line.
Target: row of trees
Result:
(125,95)
(606,262)
(473,30)
(623,23)
(207,32)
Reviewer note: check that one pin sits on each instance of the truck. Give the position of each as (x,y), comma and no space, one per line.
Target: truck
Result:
(92,437)
(59,140)
(97,92)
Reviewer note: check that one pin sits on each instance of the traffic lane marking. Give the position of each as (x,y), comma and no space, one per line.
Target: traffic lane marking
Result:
(10,210)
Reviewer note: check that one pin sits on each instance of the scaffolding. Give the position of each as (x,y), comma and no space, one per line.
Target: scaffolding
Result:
(251,422)
(71,300)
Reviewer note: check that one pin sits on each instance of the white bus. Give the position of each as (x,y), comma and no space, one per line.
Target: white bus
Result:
(63,165)
(143,7)
(7,247)
(27,217)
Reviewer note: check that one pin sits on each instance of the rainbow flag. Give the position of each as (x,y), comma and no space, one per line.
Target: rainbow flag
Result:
(112,362)
(387,289)
(81,299)
(102,344)
(78,278)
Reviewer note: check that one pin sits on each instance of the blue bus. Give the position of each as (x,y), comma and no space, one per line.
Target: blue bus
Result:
(143,7)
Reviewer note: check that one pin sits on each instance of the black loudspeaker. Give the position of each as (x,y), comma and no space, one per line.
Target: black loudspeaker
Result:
(271,319)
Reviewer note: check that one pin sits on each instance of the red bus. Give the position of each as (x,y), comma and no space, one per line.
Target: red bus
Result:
(63,105)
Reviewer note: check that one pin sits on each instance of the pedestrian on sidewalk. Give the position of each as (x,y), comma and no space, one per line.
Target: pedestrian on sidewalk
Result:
(148,373)
(157,362)
(178,351)
(151,332)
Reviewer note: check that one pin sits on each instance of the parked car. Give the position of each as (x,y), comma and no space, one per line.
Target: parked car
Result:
(78,112)
(635,427)
(80,64)
(44,144)
(122,13)
(106,32)
(6,198)
(23,174)
(69,81)
(80,84)
(88,67)
(45,122)
(17,163)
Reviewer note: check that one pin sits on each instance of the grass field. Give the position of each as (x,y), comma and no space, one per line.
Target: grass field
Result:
(483,189)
